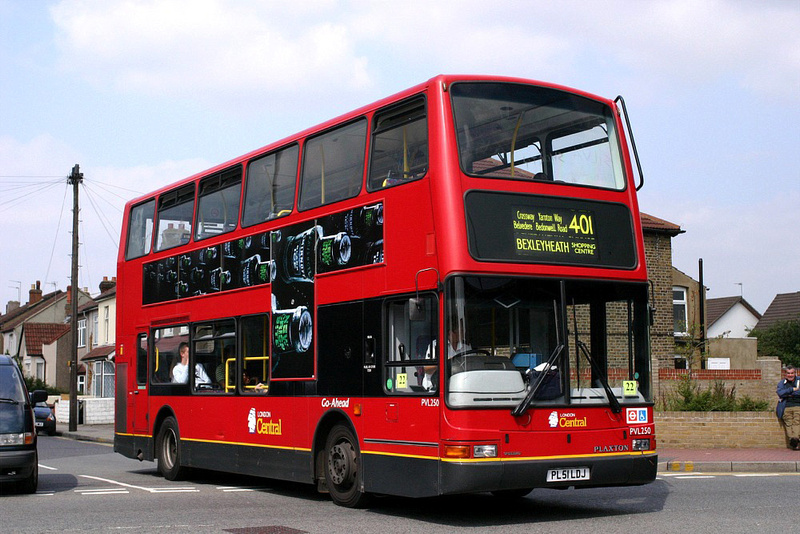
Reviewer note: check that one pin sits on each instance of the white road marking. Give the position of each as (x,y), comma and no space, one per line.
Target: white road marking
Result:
(179,489)
(48,467)
(102,492)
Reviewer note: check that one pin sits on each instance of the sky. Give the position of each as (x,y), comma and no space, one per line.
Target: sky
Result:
(141,94)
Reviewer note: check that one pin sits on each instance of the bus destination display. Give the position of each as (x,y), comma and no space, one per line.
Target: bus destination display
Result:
(553,234)
(535,229)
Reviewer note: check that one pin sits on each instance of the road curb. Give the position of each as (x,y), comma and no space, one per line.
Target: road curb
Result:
(78,436)
(688,466)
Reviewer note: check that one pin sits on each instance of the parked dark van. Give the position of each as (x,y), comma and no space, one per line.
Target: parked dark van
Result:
(19,461)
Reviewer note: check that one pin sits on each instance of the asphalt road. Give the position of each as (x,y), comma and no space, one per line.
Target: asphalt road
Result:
(86,487)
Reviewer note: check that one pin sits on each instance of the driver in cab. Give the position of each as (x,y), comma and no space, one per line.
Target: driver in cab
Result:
(455,345)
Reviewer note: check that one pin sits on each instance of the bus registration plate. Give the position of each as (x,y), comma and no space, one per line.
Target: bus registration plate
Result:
(567,474)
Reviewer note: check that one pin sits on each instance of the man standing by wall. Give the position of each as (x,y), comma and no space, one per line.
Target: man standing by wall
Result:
(788,408)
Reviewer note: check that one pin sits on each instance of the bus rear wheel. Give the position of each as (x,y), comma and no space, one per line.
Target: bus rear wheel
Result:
(168,450)
(343,468)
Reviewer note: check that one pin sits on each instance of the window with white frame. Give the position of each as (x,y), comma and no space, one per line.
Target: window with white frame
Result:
(95,331)
(103,379)
(105,324)
(679,316)
(81,332)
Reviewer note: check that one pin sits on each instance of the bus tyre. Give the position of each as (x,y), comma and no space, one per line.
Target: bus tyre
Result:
(168,450)
(343,468)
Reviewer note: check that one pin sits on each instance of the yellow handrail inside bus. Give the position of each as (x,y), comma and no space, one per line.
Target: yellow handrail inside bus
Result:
(264,360)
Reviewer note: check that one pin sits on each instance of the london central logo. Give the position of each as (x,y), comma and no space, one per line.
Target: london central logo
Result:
(553,419)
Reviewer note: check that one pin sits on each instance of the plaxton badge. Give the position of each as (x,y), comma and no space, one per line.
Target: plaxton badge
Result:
(611,448)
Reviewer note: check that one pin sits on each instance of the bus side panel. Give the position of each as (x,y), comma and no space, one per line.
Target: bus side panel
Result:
(277,463)
(398,475)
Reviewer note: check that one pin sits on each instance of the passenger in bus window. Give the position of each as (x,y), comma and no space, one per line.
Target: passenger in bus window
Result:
(180,371)
(455,345)
(252,383)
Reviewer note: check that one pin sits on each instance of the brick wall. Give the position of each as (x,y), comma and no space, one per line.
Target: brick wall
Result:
(658,254)
(718,430)
(758,384)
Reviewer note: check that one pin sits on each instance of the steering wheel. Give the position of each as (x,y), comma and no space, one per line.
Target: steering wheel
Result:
(468,352)
(459,360)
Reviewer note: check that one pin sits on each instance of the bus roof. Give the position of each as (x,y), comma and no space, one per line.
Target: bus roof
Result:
(442,80)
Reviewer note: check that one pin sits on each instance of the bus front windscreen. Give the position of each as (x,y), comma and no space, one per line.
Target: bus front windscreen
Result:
(514,342)
(526,132)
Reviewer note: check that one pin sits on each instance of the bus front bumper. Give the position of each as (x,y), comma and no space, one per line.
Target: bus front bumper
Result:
(468,477)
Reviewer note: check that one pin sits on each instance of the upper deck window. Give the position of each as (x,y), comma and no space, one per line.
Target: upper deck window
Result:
(399,146)
(218,203)
(269,189)
(333,165)
(140,230)
(524,132)
(175,210)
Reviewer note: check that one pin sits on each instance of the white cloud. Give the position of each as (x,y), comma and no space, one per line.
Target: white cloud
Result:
(224,50)
(207,49)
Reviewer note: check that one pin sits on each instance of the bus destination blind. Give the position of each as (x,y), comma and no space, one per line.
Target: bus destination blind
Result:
(553,234)
(508,227)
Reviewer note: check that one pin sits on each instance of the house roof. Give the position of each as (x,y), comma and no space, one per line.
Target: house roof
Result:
(716,308)
(784,307)
(659,226)
(107,294)
(38,334)
(19,315)
(99,353)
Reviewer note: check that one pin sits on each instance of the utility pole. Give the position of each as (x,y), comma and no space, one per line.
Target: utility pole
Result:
(74,179)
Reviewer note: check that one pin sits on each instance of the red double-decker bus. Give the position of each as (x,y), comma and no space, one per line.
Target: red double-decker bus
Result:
(442,292)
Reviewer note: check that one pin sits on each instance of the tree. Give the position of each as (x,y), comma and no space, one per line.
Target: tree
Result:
(782,339)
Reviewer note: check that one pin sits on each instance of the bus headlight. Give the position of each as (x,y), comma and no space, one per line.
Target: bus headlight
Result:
(641,444)
(484,451)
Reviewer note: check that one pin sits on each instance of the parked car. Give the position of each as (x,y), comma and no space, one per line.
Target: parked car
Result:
(45,418)
(19,460)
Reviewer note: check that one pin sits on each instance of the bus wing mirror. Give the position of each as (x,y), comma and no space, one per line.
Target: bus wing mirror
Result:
(416,309)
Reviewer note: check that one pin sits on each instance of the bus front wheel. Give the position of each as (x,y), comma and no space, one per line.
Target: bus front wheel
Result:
(343,468)
(168,450)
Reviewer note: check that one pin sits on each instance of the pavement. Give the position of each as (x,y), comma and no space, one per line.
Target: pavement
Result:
(729,460)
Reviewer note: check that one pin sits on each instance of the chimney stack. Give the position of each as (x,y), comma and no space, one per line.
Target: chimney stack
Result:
(35,294)
(107,284)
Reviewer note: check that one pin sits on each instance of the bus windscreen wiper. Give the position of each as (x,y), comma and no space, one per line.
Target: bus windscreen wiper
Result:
(9,401)
(523,406)
(612,399)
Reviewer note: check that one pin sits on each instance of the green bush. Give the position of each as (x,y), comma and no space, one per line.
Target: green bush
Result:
(36,383)
(688,397)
